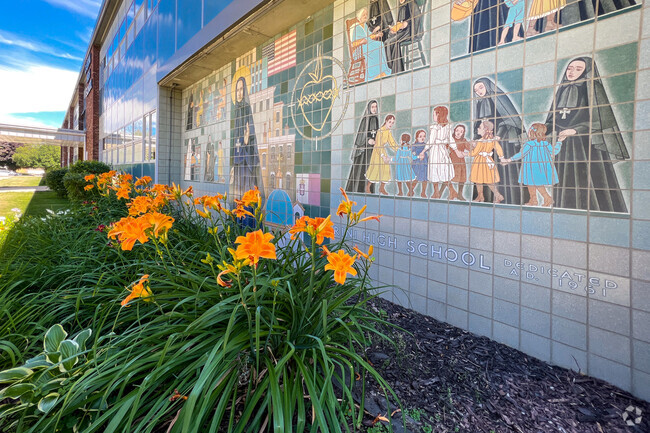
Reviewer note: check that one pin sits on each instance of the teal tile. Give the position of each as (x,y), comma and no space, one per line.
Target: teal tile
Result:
(609,231)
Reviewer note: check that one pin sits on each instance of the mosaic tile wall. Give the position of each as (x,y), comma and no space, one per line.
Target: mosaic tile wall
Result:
(504,143)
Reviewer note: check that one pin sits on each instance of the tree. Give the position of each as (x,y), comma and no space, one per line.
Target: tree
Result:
(42,156)
(7,151)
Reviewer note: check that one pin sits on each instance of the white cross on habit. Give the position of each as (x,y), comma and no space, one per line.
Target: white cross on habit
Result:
(564,112)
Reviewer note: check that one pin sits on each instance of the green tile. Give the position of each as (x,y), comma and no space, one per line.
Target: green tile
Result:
(461,90)
(387,105)
(511,81)
(620,88)
(538,101)
(617,59)
(459,111)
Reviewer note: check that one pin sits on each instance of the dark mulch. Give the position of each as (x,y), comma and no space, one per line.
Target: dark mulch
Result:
(450,380)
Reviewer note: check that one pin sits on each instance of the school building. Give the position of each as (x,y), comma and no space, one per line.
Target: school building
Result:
(505,146)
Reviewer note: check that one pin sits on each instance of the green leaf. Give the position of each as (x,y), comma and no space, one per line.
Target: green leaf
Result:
(69,358)
(14,374)
(82,337)
(52,385)
(53,357)
(53,337)
(16,390)
(37,361)
(47,403)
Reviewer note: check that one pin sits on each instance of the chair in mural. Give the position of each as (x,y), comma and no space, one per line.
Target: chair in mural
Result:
(357,72)
(413,50)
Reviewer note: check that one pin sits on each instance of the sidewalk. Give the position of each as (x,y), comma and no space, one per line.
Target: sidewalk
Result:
(23,188)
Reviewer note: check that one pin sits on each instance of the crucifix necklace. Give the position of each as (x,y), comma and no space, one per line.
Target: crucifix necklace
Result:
(564,112)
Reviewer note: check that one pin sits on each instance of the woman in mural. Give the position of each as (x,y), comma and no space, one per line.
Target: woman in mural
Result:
(441,168)
(379,167)
(421,165)
(487,19)
(537,169)
(373,49)
(380,19)
(581,112)
(245,158)
(484,171)
(458,159)
(493,104)
(409,24)
(209,161)
(363,146)
(189,122)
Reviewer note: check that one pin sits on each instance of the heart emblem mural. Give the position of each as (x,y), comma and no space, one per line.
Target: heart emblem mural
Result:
(319,88)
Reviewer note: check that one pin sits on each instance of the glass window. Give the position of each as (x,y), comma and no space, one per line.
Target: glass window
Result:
(189,21)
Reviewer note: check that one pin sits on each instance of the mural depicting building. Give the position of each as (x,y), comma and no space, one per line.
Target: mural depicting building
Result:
(504,143)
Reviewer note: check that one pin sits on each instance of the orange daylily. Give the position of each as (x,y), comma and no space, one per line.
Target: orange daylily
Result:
(123,192)
(88,187)
(362,254)
(158,222)
(240,212)
(203,213)
(255,245)
(252,196)
(373,217)
(140,204)
(341,263)
(128,230)
(139,290)
(144,180)
(89,177)
(320,227)
(345,207)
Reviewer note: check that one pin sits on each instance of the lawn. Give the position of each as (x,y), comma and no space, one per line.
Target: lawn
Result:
(21,181)
(30,203)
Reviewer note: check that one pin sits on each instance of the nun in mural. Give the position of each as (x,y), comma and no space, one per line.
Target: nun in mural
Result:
(209,161)
(585,167)
(245,158)
(408,25)
(380,19)
(493,104)
(487,20)
(363,145)
(189,123)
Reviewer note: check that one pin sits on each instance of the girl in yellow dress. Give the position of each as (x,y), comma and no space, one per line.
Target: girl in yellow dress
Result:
(484,169)
(544,9)
(379,166)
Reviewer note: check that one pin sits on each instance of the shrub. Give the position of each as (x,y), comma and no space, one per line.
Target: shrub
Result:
(89,167)
(54,180)
(41,156)
(74,185)
(222,327)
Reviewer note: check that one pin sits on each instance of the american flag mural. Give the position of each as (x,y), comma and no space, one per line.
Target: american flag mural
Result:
(281,53)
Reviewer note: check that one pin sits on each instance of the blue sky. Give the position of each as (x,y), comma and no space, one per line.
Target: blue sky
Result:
(42,46)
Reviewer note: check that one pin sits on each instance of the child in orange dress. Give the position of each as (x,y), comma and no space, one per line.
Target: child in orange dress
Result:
(484,169)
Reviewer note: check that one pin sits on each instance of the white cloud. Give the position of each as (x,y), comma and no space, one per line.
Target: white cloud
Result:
(35,88)
(26,121)
(89,8)
(13,40)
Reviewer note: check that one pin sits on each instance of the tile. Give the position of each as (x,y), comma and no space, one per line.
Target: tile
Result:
(536,346)
(570,306)
(506,312)
(569,253)
(457,317)
(508,220)
(457,297)
(482,216)
(570,226)
(641,295)
(480,282)
(536,322)
(418,266)
(608,316)
(610,260)
(480,304)
(641,325)
(505,334)
(437,310)
(437,271)
(641,235)
(437,291)
(568,357)
(438,232)
(640,268)
(459,214)
(457,276)
(610,231)
(641,355)
(418,303)
(569,332)
(539,75)
(418,285)
(507,243)
(458,235)
(610,371)
(641,384)
(480,325)
(640,204)
(481,239)
(535,247)
(505,289)
(609,345)
(536,222)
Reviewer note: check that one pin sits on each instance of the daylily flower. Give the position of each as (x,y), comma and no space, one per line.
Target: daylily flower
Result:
(89,177)
(203,213)
(255,245)
(252,196)
(123,192)
(139,290)
(341,263)
(368,218)
(140,204)
(240,212)
(158,222)
(362,254)
(144,180)
(88,187)
(345,207)
(319,227)
(128,230)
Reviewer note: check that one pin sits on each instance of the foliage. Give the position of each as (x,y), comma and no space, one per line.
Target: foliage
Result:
(41,156)
(212,322)
(54,180)
(75,183)
(89,167)
(7,151)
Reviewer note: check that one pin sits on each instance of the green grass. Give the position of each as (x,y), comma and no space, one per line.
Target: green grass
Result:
(22,181)
(30,203)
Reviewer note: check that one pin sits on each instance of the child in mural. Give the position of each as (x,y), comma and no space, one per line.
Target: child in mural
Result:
(403,170)
(188,160)
(199,110)
(189,122)
(494,104)
(441,168)
(379,167)
(537,169)
(544,9)
(408,26)
(484,171)
(218,162)
(516,16)
(220,100)
(246,172)
(460,169)
(373,50)
(209,161)
(363,145)
(585,164)
(420,165)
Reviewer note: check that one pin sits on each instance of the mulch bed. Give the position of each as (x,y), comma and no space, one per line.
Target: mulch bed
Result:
(450,380)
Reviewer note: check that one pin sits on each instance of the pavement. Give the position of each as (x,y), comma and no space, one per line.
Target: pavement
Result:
(23,188)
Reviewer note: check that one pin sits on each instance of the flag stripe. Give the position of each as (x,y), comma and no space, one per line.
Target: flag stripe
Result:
(284,55)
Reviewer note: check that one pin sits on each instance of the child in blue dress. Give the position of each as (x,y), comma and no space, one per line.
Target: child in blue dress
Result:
(403,170)
(420,166)
(537,169)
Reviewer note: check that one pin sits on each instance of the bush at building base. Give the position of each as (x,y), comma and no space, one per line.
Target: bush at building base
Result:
(205,324)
